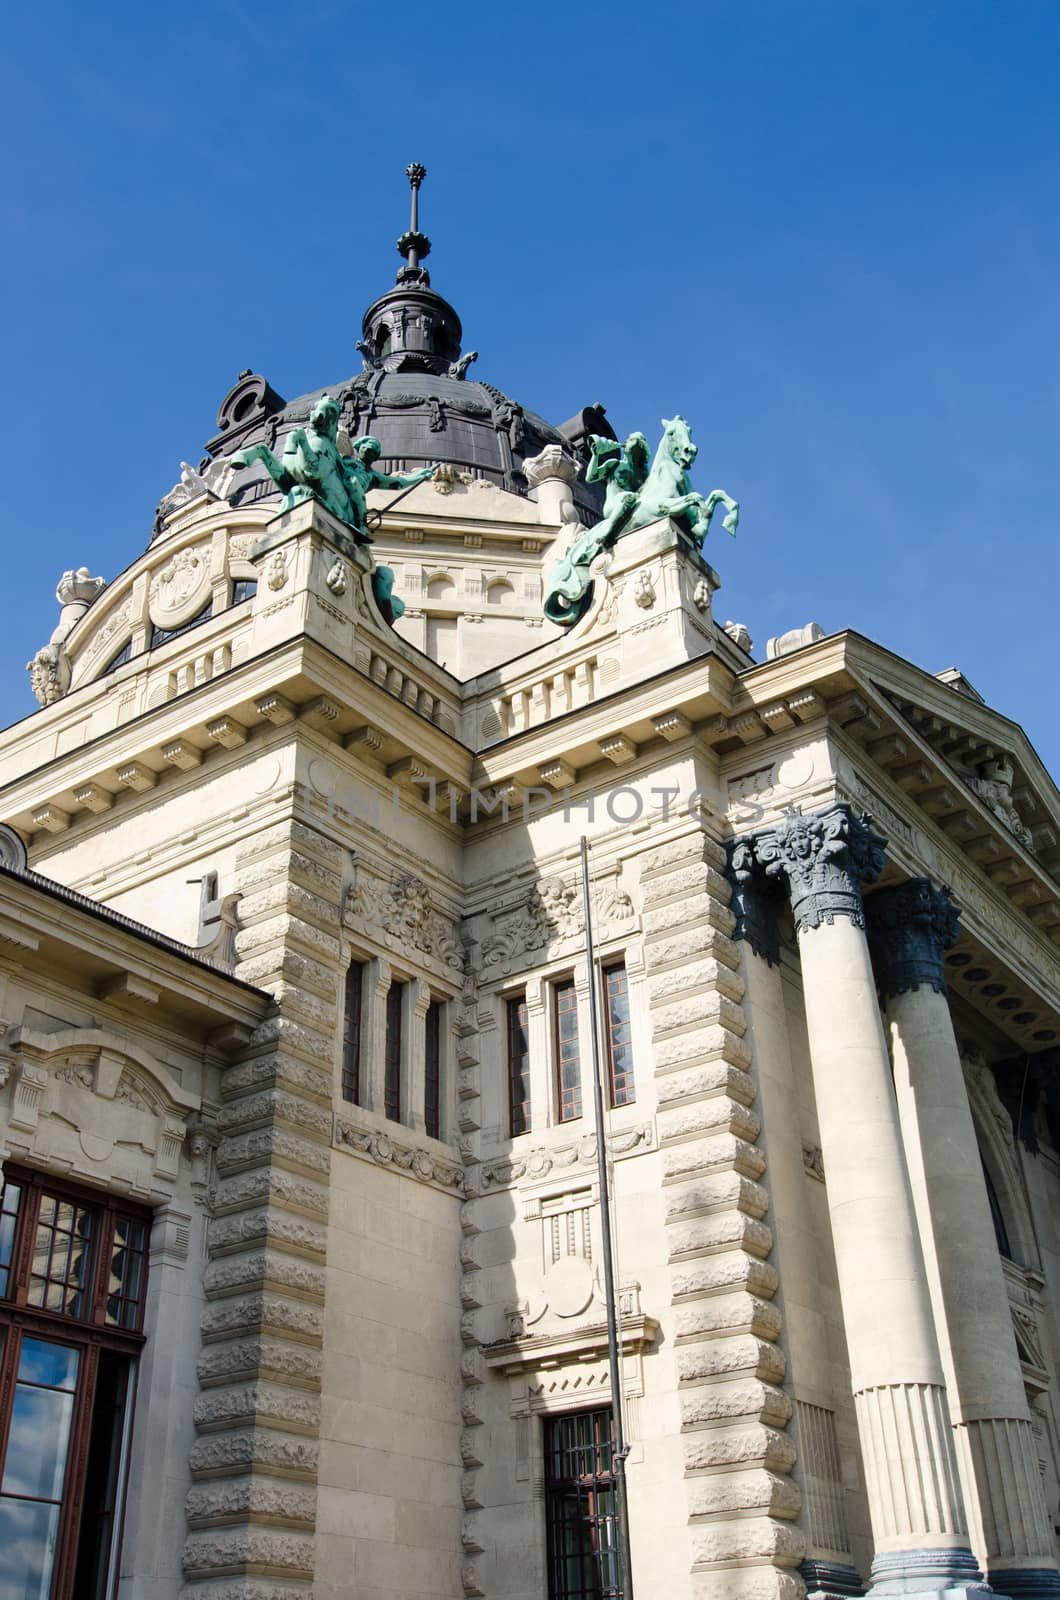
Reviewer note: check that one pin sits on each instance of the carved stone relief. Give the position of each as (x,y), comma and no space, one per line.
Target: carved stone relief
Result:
(181,588)
(402,914)
(549,915)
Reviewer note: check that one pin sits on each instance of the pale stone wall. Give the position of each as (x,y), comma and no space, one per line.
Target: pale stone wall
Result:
(389,1509)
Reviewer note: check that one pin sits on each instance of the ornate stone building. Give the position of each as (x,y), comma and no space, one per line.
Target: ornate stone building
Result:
(300,1235)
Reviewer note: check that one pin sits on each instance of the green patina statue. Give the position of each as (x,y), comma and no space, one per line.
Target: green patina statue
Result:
(313,468)
(634,496)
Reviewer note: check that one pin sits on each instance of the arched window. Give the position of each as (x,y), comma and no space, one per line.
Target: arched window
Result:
(118,660)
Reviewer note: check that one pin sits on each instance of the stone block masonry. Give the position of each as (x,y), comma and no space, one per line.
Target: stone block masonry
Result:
(742,1503)
(251,1511)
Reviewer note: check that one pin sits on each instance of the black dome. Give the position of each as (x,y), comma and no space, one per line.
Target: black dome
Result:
(414,396)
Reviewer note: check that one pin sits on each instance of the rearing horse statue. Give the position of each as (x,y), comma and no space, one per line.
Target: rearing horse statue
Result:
(635,495)
(668,491)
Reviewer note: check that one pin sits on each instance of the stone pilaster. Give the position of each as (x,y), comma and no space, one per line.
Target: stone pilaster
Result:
(915,1500)
(251,1510)
(742,1501)
(910,926)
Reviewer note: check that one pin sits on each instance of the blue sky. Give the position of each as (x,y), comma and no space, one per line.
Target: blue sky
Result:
(827,233)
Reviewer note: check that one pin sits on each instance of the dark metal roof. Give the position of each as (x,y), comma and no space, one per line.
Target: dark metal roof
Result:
(414,395)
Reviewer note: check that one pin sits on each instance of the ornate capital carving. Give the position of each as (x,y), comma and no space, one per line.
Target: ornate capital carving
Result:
(754,901)
(824,858)
(909,928)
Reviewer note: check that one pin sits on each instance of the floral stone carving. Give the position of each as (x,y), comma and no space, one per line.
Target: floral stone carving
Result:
(403,909)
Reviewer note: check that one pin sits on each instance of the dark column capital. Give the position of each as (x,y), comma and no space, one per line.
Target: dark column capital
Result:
(909,928)
(754,902)
(823,857)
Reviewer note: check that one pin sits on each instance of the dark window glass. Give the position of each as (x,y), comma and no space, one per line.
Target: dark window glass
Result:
(243,589)
(392,1081)
(128,1269)
(123,655)
(996,1214)
(62,1256)
(161,636)
(9,1199)
(101,1507)
(619,1035)
(580,1508)
(568,1063)
(518,1066)
(432,1089)
(351,1034)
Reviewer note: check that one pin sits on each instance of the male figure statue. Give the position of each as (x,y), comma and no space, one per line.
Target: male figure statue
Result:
(312,467)
(362,474)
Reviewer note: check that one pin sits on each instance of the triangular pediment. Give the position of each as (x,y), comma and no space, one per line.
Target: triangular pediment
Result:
(973,770)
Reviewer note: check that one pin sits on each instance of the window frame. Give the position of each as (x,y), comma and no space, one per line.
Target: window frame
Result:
(560,1490)
(608,966)
(92,1336)
(351,1081)
(432,1067)
(569,1100)
(394,1050)
(520,1110)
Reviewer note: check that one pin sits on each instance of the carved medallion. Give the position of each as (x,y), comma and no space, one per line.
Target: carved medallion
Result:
(180,589)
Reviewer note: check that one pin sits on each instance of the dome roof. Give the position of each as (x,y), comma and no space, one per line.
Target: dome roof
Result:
(414,395)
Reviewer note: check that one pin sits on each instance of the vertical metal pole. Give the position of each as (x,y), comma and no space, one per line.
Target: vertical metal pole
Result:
(619,1448)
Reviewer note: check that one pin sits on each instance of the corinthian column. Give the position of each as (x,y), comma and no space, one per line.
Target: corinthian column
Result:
(915,1503)
(909,928)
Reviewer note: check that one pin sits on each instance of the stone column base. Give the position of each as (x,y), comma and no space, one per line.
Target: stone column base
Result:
(830,1580)
(1028,1583)
(928,1575)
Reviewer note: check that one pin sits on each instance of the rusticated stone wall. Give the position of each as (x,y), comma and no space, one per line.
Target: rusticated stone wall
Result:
(742,1501)
(251,1510)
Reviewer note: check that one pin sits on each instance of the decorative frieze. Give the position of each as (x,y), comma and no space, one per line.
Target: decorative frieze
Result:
(386,1152)
(540,1163)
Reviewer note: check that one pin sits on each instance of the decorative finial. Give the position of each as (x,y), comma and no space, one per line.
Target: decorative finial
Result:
(414,245)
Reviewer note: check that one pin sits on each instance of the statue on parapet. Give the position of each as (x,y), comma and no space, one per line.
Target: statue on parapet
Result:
(312,467)
(634,496)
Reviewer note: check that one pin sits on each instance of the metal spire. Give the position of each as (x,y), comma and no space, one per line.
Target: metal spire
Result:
(414,245)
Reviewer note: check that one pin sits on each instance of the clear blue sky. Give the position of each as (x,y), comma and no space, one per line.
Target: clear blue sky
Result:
(826,232)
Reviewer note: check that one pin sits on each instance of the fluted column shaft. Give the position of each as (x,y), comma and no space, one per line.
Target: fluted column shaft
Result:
(914,1492)
(910,926)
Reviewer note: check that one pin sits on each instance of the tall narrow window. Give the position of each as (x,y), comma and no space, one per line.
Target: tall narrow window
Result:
(518,1066)
(568,1061)
(395,1000)
(580,1508)
(432,1076)
(619,1035)
(351,1033)
(73,1275)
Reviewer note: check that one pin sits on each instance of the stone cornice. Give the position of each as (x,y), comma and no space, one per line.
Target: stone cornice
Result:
(206,1000)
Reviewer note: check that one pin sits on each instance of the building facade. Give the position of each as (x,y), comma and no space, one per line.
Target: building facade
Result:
(300,1283)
